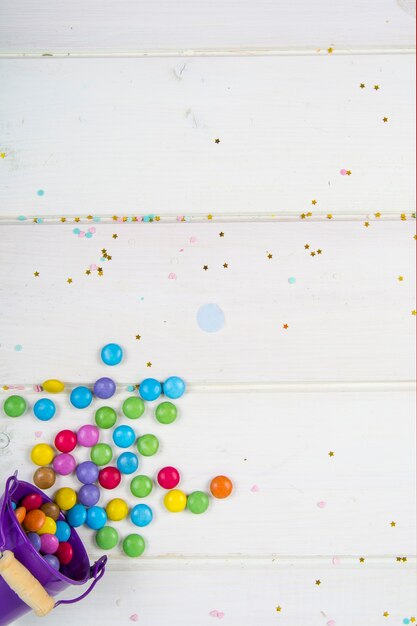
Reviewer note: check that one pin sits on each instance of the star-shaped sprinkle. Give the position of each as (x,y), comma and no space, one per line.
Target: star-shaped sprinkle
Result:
(63,219)
(377,214)
(413,312)
(269,255)
(100,272)
(114,218)
(393,524)
(303,216)
(366,224)
(400,278)
(361,559)
(362,85)
(376,87)
(88,272)
(2,155)
(69,280)
(115,236)
(385,614)
(285,326)
(225,265)
(205,268)
(385,119)
(217,140)
(89,217)
(278,609)
(76,219)
(103,251)
(309,214)
(312,253)
(221,234)
(319,251)
(36,274)
(404,559)
(403,217)
(348,172)
(412,619)
(318,582)
(209,216)
(149,364)
(314,202)
(108,257)
(331,453)
(398,559)
(137,337)
(306,246)
(330,50)
(99,269)
(329,216)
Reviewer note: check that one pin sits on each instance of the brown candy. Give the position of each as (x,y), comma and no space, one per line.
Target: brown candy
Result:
(44,477)
(51,510)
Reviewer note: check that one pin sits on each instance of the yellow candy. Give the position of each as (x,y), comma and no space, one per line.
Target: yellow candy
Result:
(175,501)
(49,526)
(65,498)
(42,454)
(53,386)
(117,509)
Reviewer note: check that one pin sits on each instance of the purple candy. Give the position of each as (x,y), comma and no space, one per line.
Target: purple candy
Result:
(104,388)
(88,435)
(49,543)
(89,495)
(52,560)
(35,540)
(87,472)
(64,464)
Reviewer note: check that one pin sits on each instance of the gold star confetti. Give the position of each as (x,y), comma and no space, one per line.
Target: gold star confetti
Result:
(366,224)
(377,214)
(225,265)
(404,559)
(319,251)
(103,251)
(99,269)
(385,119)
(312,253)
(398,559)
(331,453)
(209,216)
(303,216)
(403,217)
(157,218)
(100,272)
(269,255)
(314,202)
(400,278)
(63,219)
(330,50)
(361,559)
(76,219)
(285,326)
(115,236)
(89,217)
(278,609)
(217,140)
(309,214)
(69,280)
(385,614)
(88,272)
(114,218)
(36,274)
(318,582)
(221,234)
(376,87)
(348,172)
(329,216)
(306,246)
(108,257)
(2,155)
(205,267)
(149,364)
(362,85)
(392,524)
(413,312)
(137,337)
(412,619)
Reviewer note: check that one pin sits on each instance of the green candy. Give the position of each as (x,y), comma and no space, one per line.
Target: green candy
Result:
(133,545)
(14,406)
(141,486)
(105,417)
(107,537)
(101,454)
(133,407)
(166,413)
(197,502)
(147,445)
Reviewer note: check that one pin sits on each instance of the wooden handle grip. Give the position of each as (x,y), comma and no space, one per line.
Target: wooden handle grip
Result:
(27,587)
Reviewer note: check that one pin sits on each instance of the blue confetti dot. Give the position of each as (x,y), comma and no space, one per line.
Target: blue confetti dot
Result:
(129,219)
(88,235)
(21,218)
(406,620)
(96,219)
(40,192)
(39,220)
(292,280)
(18,347)
(103,258)
(130,387)
(149,218)
(76,231)
(210,318)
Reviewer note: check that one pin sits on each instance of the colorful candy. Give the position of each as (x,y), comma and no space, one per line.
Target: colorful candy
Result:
(81,397)
(44,477)
(174,387)
(88,435)
(107,538)
(127,463)
(133,545)
(133,407)
(87,472)
(14,406)
(42,454)
(124,436)
(105,417)
(221,487)
(51,510)
(65,498)
(49,543)
(32,501)
(35,540)
(49,526)
(197,502)
(34,520)
(53,386)
(147,445)
(166,412)
(150,389)
(101,454)
(168,477)
(20,513)
(89,495)
(109,477)
(175,501)
(96,517)
(65,441)
(63,530)
(104,388)
(141,515)
(44,409)
(64,464)
(77,515)
(117,509)
(111,354)
(141,486)
(64,553)
(52,560)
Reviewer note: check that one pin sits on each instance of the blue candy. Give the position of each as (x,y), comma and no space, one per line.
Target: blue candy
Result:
(124,436)
(63,531)
(81,397)
(150,389)
(14,505)
(111,354)
(44,409)
(127,463)
(35,540)
(174,387)
(77,515)
(96,517)
(141,515)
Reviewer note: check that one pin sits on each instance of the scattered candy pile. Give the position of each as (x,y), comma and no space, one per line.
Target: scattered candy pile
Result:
(50,536)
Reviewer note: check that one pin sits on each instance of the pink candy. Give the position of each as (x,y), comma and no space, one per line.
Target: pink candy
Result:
(88,435)
(64,464)
(49,543)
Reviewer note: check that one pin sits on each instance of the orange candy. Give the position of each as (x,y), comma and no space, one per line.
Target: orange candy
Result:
(20,513)
(34,520)
(221,487)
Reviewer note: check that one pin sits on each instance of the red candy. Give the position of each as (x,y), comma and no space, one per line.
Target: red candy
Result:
(64,553)
(65,441)
(32,501)
(168,477)
(109,477)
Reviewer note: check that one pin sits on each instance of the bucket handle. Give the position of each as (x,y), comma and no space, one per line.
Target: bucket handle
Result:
(11,484)
(96,572)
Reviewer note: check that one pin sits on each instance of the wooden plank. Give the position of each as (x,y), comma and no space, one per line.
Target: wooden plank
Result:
(142,25)
(347,312)
(137,136)
(291,498)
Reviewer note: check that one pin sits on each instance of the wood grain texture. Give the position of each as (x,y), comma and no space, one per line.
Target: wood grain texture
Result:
(120,136)
(143,25)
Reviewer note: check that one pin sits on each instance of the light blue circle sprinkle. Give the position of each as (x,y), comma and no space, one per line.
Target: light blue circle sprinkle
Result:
(406,620)
(88,235)
(21,218)
(210,318)
(292,280)
(103,258)
(40,192)
(129,219)
(130,387)
(76,231)
(96,219)
(18,347)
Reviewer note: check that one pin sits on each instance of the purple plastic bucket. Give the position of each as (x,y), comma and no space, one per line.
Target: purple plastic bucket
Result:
(13,538)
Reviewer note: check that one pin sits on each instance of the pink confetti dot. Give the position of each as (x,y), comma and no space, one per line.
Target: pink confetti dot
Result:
(172,276)
(92,230)
(181,249)
(180,218)
(134,617)
(120,220)
(193,239)
(216,613)
(343,172)
(81,233)
(321,504)
(331,622)
(255,488)
(93,267)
